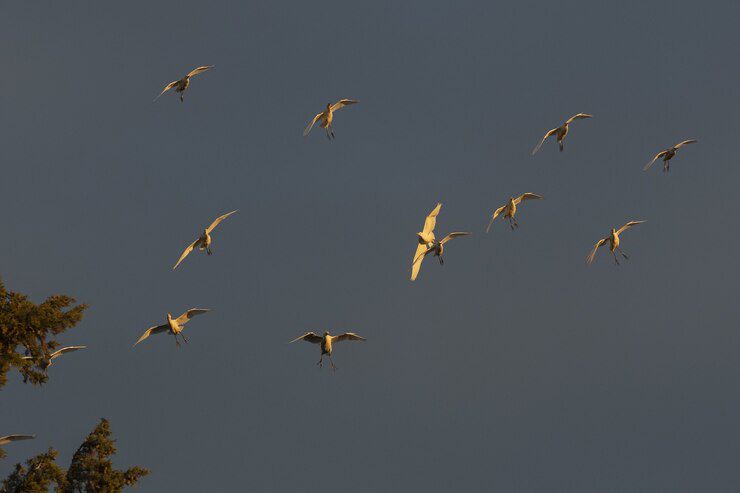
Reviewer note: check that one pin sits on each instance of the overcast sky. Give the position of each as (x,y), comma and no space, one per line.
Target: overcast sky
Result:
(514,367)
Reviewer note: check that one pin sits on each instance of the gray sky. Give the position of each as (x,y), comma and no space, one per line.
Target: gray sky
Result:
(512,368)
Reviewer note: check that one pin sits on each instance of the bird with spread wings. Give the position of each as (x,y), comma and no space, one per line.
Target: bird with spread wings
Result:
(175,326)
(46,362)
(509,209)
(182,85)
(327,117)
(327,341)
(560,132)
(613,240)
(204,240)
(668,154)
(427,242)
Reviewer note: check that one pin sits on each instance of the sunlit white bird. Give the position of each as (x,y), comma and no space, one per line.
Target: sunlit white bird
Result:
(15,438)
(509,209)
(182,85)
(560,132)
(327,117)
(175,326)
(46,362)
(204,241)
(427,242)
(613,240)
(668,154)
(327,341)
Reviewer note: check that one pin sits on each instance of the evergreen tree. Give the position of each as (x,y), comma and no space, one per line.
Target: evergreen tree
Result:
(30,328)
(91,470)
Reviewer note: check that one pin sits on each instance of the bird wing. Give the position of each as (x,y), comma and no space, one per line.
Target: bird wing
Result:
(685,142)
(309,337)
(578,116)
(200,70)
(167,88)
(218,220)
(657,156)
(431,221)
(187,251)
(15,438)
(549,133)
(152,330)
(347,336)
(67,349)
(185,317)
(526,196)
(453,235)
(342,103)
(496,213)
(310,125)
(628,226)
(591,255)
(421,252)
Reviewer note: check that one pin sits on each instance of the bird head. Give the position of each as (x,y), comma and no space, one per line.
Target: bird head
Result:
(326,333)
(169,317)
(328,106)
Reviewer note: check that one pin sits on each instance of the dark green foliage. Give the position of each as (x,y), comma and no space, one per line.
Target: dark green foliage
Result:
(31,328)
(91,470)
(39,474)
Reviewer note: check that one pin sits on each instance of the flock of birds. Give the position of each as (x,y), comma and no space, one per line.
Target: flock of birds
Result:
(427,241)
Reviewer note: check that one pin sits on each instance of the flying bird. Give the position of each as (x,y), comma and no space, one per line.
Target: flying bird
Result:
(175,326)
(327,117)
(613,240)
(327,341)
(560,132)
(204,241)
(182,85)
(15,438)
(509,209)
(46,362)
(437,247)
(427,242)
(668,154)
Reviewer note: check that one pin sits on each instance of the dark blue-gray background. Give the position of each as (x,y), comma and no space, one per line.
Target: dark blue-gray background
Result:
(515,367)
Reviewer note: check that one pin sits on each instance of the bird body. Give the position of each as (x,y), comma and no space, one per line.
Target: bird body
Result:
(509,209)
(560,132)
(174,326)
(326,117)
(204,240)
(181,85)
(613,241)
(326,343)
(668,154)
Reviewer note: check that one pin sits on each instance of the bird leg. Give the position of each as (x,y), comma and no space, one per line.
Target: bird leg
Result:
(321,361)
(441,260)
(184,338)
(560,143)
(511,224)
(333,366)
(331,130)
(616,261)
(182,97)
(208,251)
(623,254)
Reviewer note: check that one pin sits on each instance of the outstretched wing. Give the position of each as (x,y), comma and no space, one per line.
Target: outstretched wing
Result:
(496,214)
(526,196)
(15,438)
(64,350)
(431,221)
(548,134)
(685,142)
(187,251)
(347,336)
(591,255)
(185,317)
(657,156)
(152,330)
(167,88)
(342,103)
(199,70)
(453,235)
(218,220)
(309,337)
(421,252)
(578,116)
(310,125)
(628,226)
